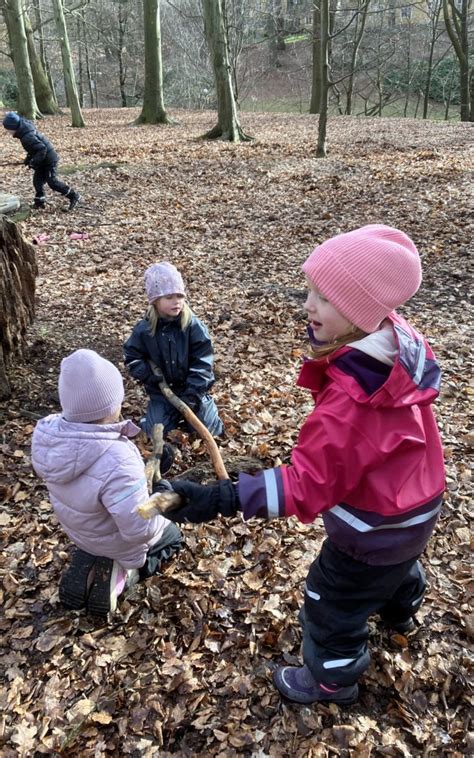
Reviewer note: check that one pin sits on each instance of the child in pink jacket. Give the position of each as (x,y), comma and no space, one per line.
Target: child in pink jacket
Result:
(368,460)
(96,478)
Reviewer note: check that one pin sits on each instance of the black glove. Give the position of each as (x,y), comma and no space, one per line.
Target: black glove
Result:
(162,485)
(204,502)
(192,402)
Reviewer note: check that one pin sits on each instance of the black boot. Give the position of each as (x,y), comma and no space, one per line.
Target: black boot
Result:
(77,579)
(39,203)
(74,198)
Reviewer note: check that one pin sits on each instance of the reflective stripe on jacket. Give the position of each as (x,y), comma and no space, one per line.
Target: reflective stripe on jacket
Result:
(95,478)
(370,461)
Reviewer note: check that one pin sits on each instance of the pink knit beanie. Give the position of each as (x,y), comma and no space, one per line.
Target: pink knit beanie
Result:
(90,387)
(366,273)
(163,279)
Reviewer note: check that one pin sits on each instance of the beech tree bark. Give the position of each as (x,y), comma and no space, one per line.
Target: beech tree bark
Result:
(43,91)
(27,105)
(228,125)
(153,109)
(69,77)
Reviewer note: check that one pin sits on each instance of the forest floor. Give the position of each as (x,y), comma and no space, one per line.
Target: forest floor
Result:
(184,667)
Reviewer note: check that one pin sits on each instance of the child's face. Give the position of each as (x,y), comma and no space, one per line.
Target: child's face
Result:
(325,320)
(169,306)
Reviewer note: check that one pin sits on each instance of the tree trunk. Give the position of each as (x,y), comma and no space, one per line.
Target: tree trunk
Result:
(14,19)
(324,103)
(358,34)
(80,63)
(44,59)
(122,26)
(153,109)
(456,20)
(316,77)
(275,32)
(69,78)
(44,94)
(228,126)
(90,87)
(434,19)
(18,271)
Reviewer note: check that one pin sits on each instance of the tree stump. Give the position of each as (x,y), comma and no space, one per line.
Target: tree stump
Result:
(18,271)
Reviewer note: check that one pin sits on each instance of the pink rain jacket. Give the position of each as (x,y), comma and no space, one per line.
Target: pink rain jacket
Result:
(96,478)
(369,457)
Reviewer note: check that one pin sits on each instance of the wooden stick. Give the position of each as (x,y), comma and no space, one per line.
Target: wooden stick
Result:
(159,504)
(164,502)
(192,419)
(153,466)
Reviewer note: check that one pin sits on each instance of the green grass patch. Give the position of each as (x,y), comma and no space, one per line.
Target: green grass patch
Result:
(21,215)
(436,111)
(292,38)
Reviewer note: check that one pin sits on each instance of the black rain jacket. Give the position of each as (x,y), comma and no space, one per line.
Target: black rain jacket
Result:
(185,357)
(40,151)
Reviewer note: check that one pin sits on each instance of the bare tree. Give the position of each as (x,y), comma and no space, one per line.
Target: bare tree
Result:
(39,36)
(13,12)
(153,110)
(456,18)
(316,65)
(359,27)
(44,94)
(228,125)
(321,149)
(434,12)
(69,77)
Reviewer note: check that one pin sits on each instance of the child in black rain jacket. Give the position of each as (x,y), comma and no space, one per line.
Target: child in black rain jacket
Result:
(41,157)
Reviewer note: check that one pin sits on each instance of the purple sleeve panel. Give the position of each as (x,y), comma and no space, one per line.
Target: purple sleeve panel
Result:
(262,495)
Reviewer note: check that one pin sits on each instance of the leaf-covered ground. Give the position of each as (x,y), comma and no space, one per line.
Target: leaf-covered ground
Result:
(185,666)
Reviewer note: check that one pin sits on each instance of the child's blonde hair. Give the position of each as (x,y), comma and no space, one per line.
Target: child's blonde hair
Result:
(324,350)
(153,317)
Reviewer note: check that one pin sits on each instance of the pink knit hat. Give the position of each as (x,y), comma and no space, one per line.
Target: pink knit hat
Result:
(90,387)
(163,279)
(366,273)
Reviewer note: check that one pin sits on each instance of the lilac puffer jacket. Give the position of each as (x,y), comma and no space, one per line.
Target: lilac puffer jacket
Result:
(96,478)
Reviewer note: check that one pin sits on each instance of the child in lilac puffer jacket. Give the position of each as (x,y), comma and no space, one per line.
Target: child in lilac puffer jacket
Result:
(96,478)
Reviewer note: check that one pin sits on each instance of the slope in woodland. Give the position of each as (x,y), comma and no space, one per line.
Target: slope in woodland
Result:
(184,667)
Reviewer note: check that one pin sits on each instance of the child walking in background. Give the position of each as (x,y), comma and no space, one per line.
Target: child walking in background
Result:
(368,458)
(42,158)
(96,478)
(173,339)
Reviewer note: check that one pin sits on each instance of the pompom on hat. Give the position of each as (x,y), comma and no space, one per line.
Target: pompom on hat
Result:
(11,121)
(366,273)
(90,387)
(163,279)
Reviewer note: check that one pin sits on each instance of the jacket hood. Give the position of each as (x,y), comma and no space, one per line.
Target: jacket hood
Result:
(61,450)
(413,379)
(24,127)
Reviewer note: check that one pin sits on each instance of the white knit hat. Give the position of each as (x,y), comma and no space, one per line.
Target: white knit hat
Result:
(163,279)
(90,387)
